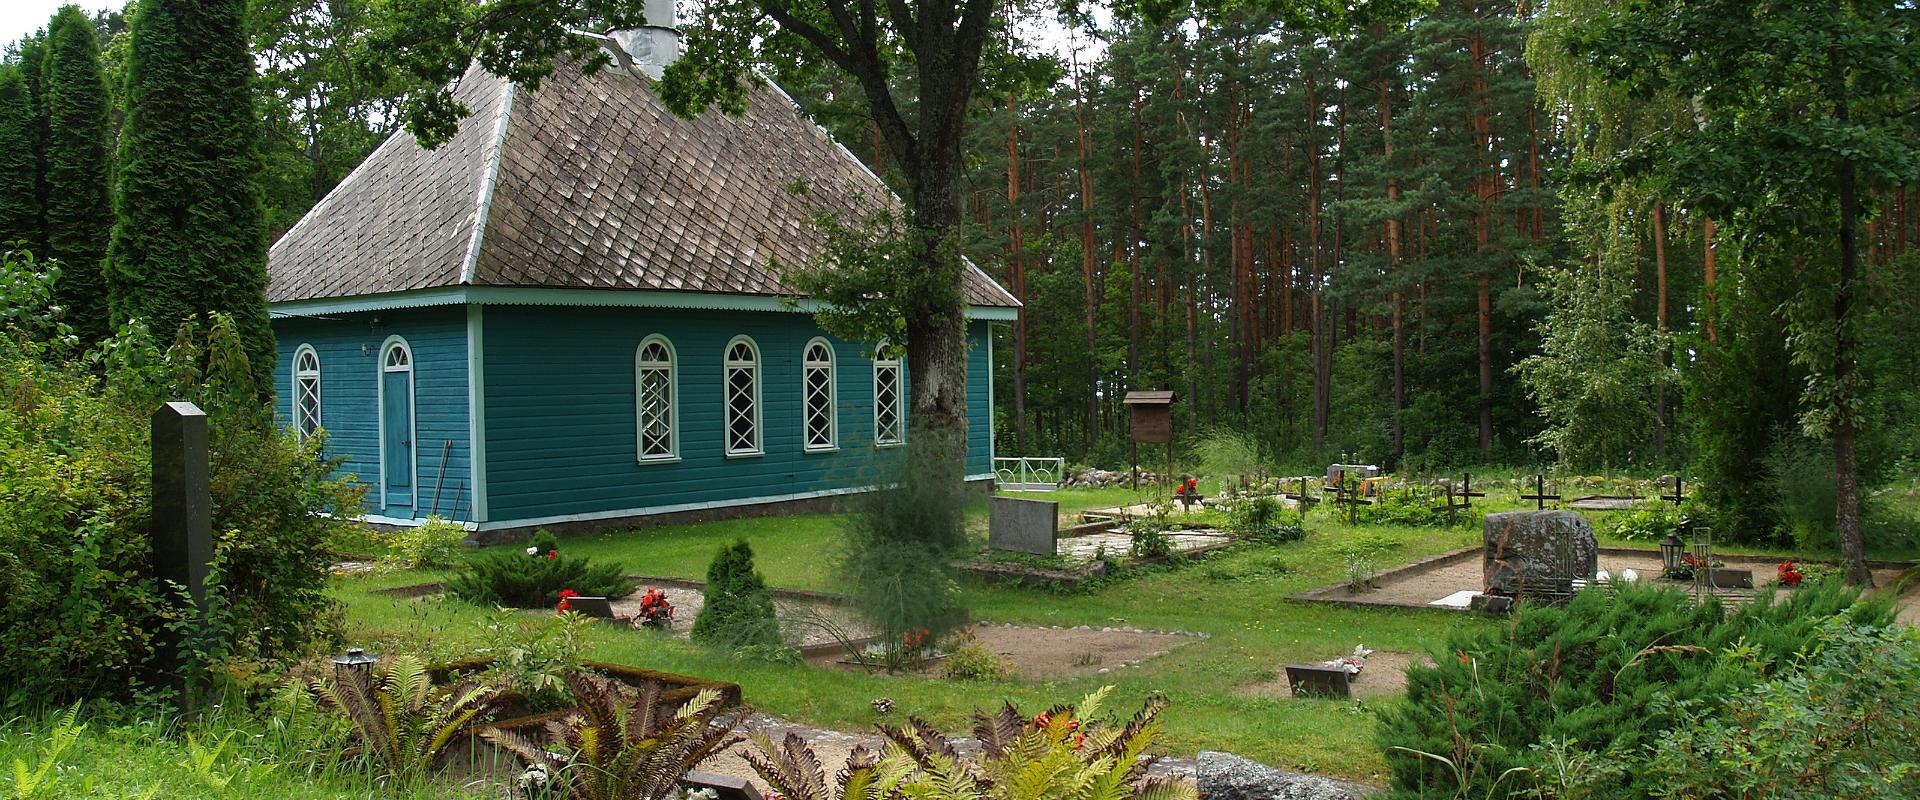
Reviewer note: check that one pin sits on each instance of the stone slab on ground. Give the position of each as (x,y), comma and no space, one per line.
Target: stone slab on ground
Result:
(1525,551)
(1116,544)
(1225,776)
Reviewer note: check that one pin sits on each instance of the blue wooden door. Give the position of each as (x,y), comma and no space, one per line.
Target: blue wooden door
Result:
(396,428)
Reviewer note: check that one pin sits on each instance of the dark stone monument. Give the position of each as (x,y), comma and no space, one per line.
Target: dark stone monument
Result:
(182,531)
(1024,526)
(1538,553)
(1318,680)
(1225,776)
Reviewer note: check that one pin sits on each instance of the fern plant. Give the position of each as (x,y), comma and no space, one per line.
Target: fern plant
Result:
(402,721)
(1064,753)
(623,744)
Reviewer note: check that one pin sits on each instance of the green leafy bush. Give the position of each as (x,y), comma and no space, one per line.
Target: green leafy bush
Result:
(1649,523)
(533,578)
(1843,722)
(738,610)
(1259,519)
(532,656)
(969,660)
(1800,481)
(899,541)
(1594,676)
(434,543)
(82,605)
(1419,509)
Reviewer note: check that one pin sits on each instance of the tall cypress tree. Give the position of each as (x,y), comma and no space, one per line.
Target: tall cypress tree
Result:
(189,238)
(79,211)
(19,174)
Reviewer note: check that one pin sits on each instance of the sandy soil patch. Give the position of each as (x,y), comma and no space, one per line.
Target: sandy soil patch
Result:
(1054,653)
(803,623)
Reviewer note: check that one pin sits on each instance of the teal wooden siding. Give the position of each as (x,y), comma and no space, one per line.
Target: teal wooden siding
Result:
(560,412)
(349,347)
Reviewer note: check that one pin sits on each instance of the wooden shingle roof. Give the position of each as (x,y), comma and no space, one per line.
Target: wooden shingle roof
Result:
(587,183)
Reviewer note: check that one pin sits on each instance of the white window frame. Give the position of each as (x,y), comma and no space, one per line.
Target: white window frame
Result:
(301,376)
(808,366)
(672,368)
(881,365)
(727,367)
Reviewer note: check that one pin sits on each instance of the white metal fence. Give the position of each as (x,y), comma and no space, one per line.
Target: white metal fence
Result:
(1028,474)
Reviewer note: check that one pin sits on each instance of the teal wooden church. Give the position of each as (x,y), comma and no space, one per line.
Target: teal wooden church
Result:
(567,315)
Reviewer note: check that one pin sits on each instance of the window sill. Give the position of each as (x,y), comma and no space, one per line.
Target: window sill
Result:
(828,449)
(657,460)
(747,454)
(889,445)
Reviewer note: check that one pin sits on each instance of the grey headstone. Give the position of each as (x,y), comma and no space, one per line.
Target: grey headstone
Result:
(1538,552)
(1024,526)
(1353,471)
(182,527)
(1225,776)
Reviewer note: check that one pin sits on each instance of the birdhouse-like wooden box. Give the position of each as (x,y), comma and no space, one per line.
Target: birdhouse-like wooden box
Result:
(1152,416)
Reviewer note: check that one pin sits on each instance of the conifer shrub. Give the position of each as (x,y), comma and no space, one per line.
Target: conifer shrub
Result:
(82,607)
(1608,673)
(738,610)
(534,577)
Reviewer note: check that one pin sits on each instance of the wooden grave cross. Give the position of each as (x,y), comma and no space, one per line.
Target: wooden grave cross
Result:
(1302,501)
(1454,502)
(1540,496)
(1466,492)
(1346,493)
(1678,496)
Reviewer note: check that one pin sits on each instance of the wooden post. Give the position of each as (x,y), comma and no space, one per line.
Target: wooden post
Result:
(182,533)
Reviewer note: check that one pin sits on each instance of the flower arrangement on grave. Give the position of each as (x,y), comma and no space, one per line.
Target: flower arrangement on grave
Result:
(1188,488)
(566,600)
(1691,566)
(1790,575)
(1352,662)
(655,611)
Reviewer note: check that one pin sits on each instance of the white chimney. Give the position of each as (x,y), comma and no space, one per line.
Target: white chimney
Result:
(654,45)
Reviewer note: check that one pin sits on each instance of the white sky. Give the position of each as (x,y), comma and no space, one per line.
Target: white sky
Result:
(21,17)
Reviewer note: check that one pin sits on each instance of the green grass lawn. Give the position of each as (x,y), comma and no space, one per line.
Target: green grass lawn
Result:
(1238,597)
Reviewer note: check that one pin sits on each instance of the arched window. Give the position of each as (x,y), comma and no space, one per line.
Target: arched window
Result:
(656,397)
(889,417)
(817,390)
(743,397)
(306,391)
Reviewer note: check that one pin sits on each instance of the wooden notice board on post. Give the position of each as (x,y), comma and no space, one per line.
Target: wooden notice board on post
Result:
(1150,415)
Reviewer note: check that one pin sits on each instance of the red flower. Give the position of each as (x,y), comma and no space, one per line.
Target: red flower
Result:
(552,554)
(566,596)
(1192,482)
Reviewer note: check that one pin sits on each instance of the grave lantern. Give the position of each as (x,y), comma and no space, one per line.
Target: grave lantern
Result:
(1671,549)
(355,659)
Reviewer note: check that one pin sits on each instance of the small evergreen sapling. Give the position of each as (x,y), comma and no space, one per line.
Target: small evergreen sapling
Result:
(738,611)
(534,578)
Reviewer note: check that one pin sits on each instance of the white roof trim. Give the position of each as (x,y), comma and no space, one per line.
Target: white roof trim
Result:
(484,204)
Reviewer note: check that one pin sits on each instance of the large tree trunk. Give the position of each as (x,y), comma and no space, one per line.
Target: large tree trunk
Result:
(1018,270)
(1660,317)
(1088,272)
(1846,462)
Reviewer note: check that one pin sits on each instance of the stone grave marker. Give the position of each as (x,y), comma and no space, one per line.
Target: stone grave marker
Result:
(1024,526)
(182,533)
(1538,553)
